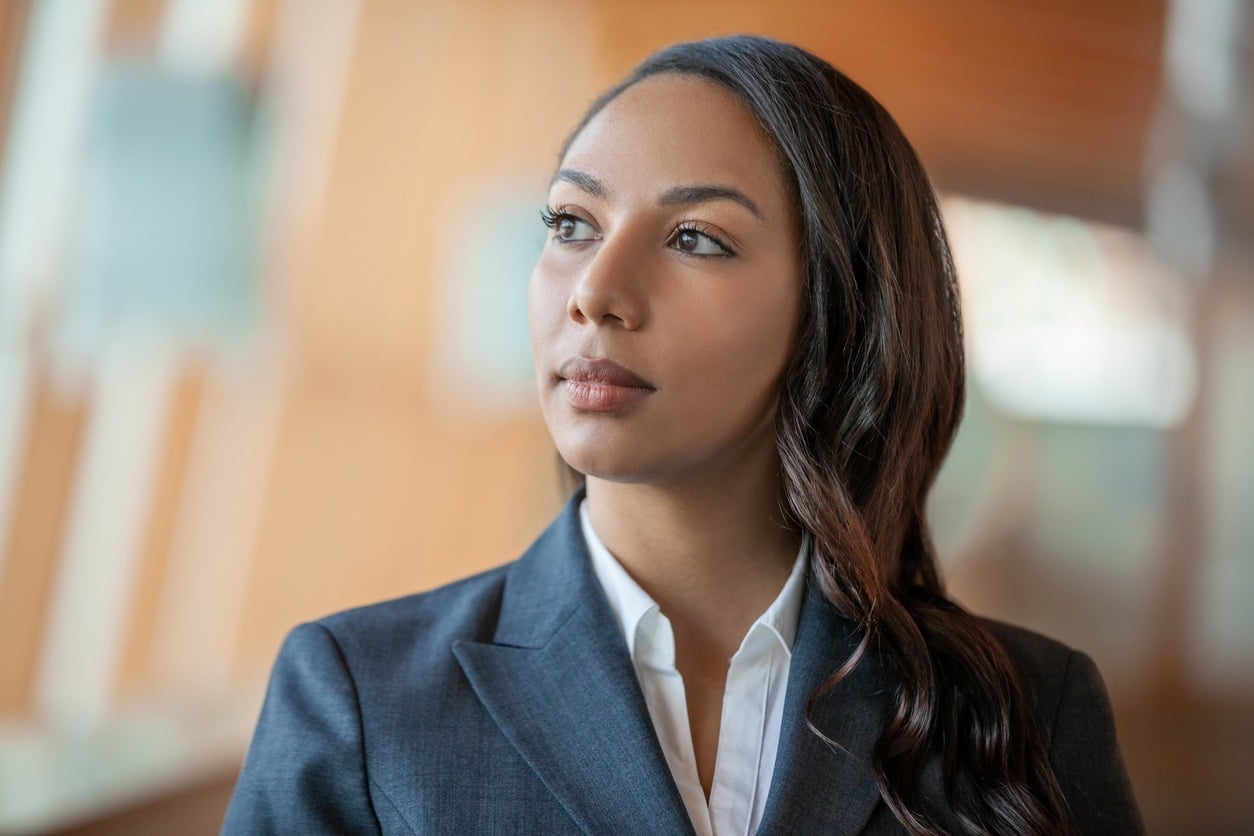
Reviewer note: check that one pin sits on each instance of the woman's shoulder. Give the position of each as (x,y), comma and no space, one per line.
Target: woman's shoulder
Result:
(1063,682)
(1039,659)
(415,625)
(1079,725)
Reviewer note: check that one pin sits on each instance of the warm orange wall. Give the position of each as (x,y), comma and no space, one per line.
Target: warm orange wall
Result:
(1037,104)
(141,620)
(372,493)
(45,485)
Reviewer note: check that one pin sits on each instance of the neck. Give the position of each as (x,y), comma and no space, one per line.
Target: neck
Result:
(713,552)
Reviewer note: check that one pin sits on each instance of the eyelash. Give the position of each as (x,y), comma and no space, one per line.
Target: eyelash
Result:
(550,217)
(701,229)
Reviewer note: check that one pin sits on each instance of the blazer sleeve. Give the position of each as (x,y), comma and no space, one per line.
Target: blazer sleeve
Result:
(305,771)
(1085,755)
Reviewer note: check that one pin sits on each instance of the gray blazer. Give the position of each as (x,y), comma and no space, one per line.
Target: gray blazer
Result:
(507,703)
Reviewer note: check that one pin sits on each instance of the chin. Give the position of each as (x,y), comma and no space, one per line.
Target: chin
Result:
(601,467)
(603,462)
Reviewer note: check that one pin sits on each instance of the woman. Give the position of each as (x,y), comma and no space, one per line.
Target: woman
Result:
(749,354)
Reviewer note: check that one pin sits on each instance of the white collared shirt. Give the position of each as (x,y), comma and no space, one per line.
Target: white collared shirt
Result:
(753,701)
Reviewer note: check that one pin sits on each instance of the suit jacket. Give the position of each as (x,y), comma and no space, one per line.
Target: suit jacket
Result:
(507,703)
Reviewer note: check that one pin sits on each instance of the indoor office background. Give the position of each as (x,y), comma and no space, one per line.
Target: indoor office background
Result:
(263,347)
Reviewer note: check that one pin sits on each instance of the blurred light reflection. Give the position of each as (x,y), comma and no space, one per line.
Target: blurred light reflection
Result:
(1071,321)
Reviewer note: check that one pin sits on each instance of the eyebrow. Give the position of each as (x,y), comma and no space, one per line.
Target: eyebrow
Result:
(693,195)
(678,196)
(583,180)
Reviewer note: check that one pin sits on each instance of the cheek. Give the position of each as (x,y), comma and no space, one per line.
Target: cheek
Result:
(747,340)
(736,357)
(546,307)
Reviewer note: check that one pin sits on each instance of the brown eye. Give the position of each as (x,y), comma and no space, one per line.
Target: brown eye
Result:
(696,242)
(569,229)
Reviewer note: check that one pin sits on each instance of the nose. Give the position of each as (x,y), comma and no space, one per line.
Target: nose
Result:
(608,292)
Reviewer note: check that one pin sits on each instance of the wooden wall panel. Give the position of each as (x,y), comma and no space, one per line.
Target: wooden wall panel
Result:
(373,494)
(167,496)
(1038,104)
(35,535)
(13,20)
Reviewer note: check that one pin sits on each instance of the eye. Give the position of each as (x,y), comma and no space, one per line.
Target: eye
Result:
(695,241)
(568,228)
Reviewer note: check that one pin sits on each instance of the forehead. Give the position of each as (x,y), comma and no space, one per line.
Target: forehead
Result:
(672,129)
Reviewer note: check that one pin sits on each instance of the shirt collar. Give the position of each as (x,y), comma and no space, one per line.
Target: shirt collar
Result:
(631,604)
(782,615)
(628,601)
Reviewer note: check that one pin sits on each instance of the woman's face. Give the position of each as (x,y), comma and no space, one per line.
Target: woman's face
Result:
(664,305)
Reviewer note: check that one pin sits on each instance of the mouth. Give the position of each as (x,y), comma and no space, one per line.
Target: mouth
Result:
(602,371)
(601,385)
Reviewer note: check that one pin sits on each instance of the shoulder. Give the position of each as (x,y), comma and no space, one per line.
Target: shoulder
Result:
(372,666)
(1075,715)
(409,636)
(1026,645)
(1041,662)
(1055,677)
(339,721)
(1063,682)
(465,610)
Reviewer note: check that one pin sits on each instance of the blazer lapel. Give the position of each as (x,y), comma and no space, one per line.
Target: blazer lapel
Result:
(816,787)
(558,681)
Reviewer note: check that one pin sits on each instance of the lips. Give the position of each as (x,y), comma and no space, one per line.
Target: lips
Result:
(583,370)
(601,385)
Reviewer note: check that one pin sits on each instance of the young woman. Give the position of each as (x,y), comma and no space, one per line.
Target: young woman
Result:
(749,354)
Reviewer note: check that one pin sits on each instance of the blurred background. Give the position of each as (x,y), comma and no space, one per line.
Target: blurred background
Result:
(264,355)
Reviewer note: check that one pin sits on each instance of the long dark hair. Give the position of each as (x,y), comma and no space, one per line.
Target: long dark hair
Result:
(867,411)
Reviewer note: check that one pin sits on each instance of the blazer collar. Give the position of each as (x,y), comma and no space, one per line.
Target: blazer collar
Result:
(558,681)
(818,787)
